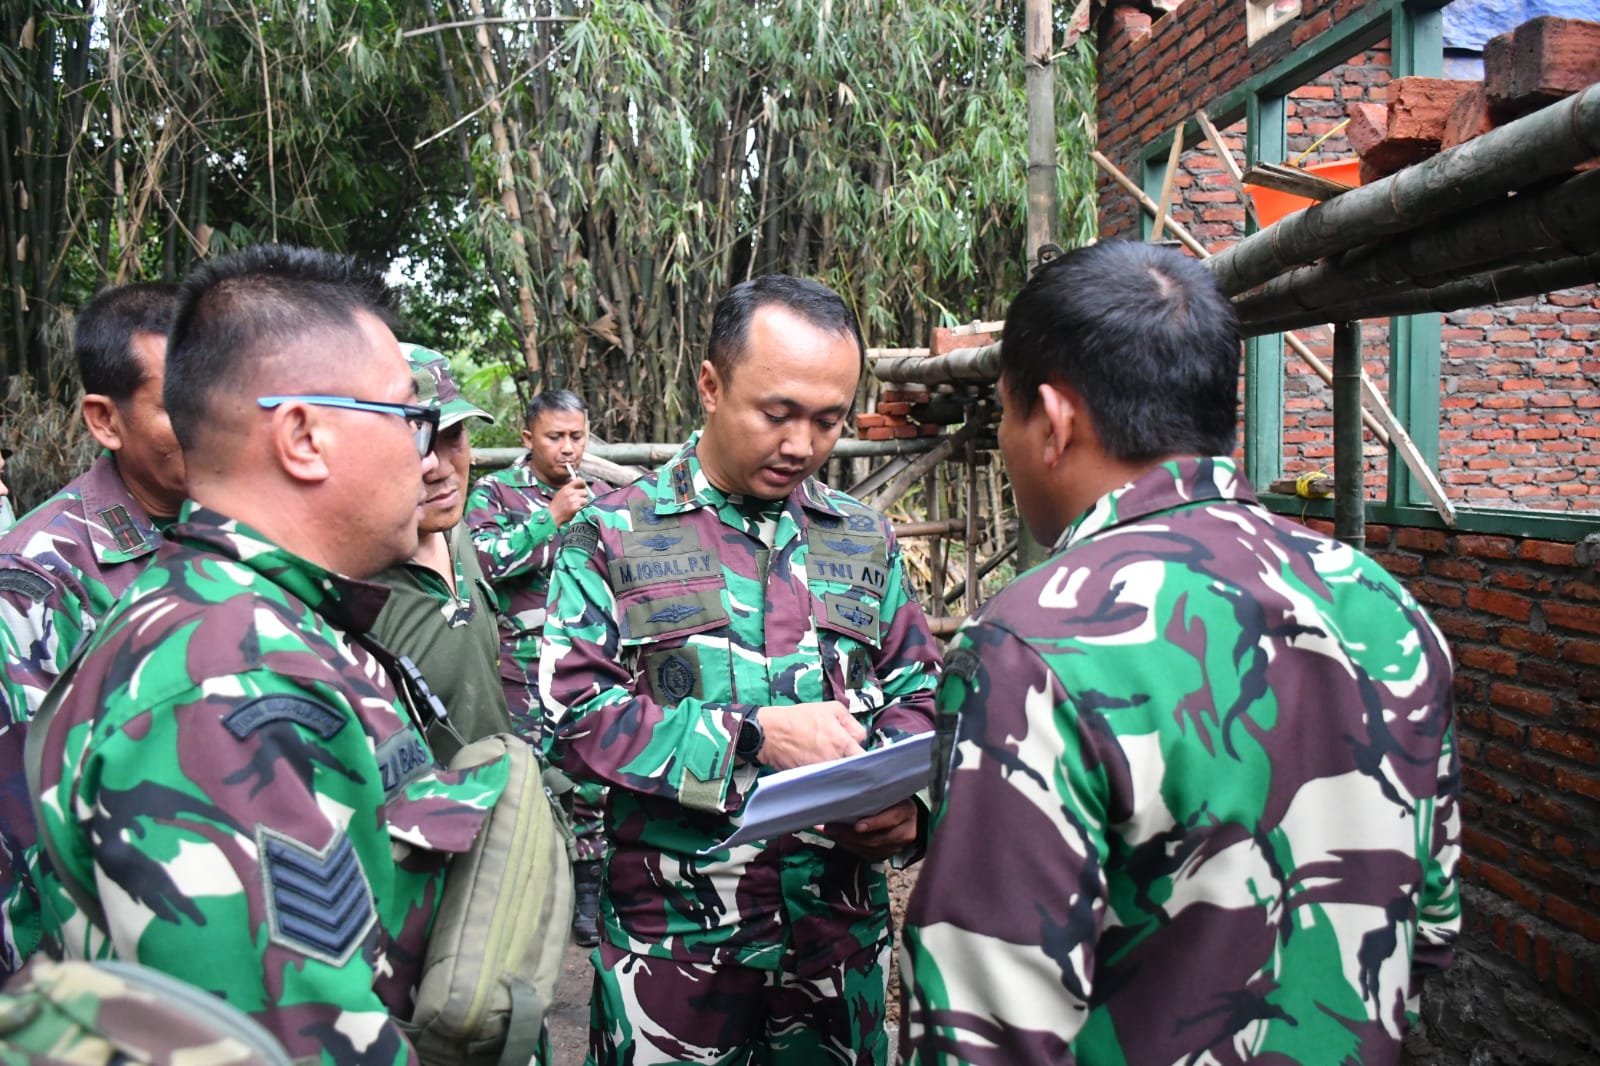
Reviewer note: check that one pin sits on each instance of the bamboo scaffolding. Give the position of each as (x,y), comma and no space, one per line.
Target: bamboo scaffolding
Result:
(959,590)
(941,527)
(1564,216)
(1547,143)
(1349,464)
(945,448)
(1489,287)
(1379,419)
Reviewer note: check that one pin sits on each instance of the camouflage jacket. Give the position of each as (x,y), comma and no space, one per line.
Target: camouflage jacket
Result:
(253,806)
(1225,741)
(671,616)
(509,514)
(451,636)
(61,568)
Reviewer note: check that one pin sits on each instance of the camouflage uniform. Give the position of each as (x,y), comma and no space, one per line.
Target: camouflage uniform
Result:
(1221,748)
(286,845)
(676,609)
(509,514)
(61,568)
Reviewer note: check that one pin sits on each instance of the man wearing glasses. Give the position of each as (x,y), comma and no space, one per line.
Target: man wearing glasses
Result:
(233,783)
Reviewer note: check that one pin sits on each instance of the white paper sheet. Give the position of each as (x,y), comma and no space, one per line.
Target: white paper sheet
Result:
(838,791)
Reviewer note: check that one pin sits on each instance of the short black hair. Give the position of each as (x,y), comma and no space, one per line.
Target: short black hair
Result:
(102,337)
(552,400)
(236,310)
(1144,335)
(811,300)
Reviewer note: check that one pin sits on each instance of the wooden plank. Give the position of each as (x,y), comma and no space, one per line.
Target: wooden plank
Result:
(1167,182)
(1214,138)
(1295,181)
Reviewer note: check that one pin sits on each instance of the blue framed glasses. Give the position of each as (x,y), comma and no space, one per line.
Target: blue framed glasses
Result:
(424,421)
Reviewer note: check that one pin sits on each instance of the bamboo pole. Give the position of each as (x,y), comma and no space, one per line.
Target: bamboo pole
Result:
(874,354)
(1563,216)
(879,477)
(1164,205)
(971,536)
(1349,464)
(1491,286)
(1040,86)
(939,527)
(1214,138)
(957,591)
(964,366)
(1551,141)
(945,448)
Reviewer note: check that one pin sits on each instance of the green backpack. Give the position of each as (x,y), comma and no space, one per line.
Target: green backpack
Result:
(91,1013)
(499,939)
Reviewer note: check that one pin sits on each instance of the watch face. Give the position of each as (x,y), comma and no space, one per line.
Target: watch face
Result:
(750,738)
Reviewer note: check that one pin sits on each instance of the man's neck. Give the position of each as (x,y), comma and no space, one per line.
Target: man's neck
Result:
(155,504)
(434,553)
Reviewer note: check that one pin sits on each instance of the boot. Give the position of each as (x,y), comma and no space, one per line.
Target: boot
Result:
(586,917)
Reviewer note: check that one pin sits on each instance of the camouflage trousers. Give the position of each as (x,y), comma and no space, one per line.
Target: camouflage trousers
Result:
(650,1012)
(588,821)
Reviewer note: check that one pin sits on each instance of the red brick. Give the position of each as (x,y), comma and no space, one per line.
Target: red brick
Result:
(1568,914)
(876,433)
(945,341)
(1527,640)
(1369,124)
(1551,552)
(869,420)
(1508,885)
(1517,698)
(1586,652)
(1546,59)
(1485,547)
(1504,604)
(1572,616)
(1582,782)
(1469,118)
(1423,540)
(1491,659)
(1578,749)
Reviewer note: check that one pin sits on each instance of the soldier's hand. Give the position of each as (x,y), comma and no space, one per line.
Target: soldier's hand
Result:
(569,500)
(804,733)
(879,836)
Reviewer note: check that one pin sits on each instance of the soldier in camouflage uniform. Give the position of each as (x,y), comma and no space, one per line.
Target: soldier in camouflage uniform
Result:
(514,515)
(66,562)
(230,788)
(725,617)
(441,609)
(1220,743)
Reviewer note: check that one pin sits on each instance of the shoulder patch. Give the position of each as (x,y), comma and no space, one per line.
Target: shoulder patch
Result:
(401,759)
(31,585)
(581,536)
(119,522)
(321,719)
(318,901)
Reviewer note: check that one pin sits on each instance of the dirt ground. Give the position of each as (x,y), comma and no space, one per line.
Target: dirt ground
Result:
(568,1019)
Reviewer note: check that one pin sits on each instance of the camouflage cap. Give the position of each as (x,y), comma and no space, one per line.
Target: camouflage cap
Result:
(436,386)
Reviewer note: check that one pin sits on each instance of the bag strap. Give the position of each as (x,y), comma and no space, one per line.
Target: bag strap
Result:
(525,1024)
(423,704)
(33,761)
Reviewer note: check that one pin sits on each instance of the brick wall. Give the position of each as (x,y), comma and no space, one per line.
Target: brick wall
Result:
(1519,382)
(1518,425)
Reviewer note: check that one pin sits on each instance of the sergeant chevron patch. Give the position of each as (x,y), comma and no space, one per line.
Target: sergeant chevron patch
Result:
(318,902)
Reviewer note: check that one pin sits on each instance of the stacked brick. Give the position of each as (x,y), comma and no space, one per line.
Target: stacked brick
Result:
(904,411)
(1530,67)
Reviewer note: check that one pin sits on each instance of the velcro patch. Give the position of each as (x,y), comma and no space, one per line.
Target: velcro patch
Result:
(853,616)
(963,663)
(33,586)
(321,719)
(674,675)
(401,759)
(581,536)
(119,522)
(686,611)
(633,571)
(318,902)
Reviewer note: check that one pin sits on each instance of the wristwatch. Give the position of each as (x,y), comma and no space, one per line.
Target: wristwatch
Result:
(747,745)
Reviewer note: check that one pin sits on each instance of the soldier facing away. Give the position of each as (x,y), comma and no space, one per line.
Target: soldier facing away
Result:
(1220,742)
(515,515)
(233,786)
(65,562)
(722,618)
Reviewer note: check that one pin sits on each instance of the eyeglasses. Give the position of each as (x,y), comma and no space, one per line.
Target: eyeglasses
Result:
(424,420)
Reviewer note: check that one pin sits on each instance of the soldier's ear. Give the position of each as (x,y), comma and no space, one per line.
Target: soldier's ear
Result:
(105,423)
(1058,406)
(710,385)
(299,438)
